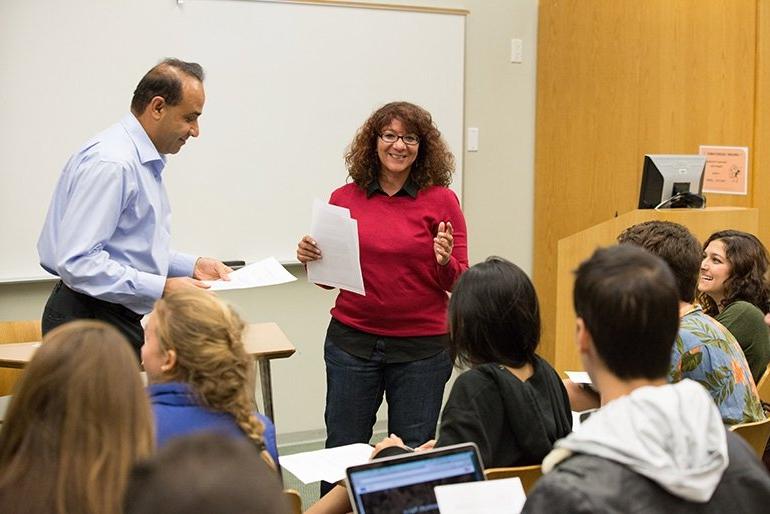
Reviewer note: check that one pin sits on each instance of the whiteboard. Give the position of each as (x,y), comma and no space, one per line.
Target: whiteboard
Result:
(287,85)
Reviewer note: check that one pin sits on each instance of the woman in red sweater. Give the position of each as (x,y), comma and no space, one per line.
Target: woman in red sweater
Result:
(413,248)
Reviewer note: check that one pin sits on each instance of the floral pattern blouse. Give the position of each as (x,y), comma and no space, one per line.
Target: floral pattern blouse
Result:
(706,352)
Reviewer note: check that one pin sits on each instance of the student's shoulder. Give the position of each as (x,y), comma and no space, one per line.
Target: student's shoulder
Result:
(480,375)
(743,310)
(568,488)
(477,381)
(745,474)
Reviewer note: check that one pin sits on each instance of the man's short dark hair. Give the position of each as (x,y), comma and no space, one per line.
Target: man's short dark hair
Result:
(163,80)
(674,244)
(494,315)
(205,473)
(628,300)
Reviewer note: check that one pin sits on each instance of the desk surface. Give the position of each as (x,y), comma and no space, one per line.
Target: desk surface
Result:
(262,340)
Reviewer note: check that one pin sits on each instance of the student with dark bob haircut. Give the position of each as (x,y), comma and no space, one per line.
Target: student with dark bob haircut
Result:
(733,288)
(495,317)
(511,402)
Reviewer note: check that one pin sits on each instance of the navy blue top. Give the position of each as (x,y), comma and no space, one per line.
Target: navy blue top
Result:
(177,413)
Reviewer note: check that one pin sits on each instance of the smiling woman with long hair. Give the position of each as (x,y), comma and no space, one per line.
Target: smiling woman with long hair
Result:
(733,288)
(78,421)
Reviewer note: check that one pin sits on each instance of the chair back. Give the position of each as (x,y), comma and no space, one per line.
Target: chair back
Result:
(527,474)
(16,332)
(763,386)
(294,500)
(756,434)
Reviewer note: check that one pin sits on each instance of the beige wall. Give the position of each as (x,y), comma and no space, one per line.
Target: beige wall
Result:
(498,199)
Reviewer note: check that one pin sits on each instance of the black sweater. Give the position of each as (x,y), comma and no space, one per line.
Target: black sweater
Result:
(513,423)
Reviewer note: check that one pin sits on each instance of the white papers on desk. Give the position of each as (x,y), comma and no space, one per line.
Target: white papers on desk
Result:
(328,464)
(503,496)
(579,377)
(337,236)
(267,272)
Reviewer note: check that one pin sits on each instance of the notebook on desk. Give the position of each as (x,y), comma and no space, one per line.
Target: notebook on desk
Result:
(404,484)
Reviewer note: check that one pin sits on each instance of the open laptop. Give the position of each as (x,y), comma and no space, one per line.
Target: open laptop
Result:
(404,484)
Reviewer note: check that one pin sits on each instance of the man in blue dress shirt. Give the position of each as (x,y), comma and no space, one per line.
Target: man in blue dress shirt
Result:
(107,231)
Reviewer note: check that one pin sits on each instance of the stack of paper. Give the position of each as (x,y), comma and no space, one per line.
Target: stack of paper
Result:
(578,377)
(266,272)
(328,464)
(503,496)
(336,234)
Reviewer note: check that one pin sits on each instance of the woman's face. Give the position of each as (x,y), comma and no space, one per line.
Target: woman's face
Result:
(153,356)
(714,270)
(398,157)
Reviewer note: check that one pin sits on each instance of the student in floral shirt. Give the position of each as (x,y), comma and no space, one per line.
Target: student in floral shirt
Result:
(704,350)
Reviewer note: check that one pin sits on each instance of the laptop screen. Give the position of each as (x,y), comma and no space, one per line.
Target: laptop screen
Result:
(404,484)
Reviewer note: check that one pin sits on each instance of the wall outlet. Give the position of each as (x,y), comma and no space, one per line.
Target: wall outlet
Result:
(516,51)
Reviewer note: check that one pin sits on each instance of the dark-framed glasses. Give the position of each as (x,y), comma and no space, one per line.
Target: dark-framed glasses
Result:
(408,139)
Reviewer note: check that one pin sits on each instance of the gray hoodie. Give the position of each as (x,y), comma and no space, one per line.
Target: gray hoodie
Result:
(672,434)
(658,449)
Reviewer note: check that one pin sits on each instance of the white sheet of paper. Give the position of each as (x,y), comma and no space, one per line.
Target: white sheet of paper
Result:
(503,496)
(328,464)
(267,272)
(578,377)
(337,236)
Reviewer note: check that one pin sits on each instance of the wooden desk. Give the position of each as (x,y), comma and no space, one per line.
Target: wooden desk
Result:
(265,341)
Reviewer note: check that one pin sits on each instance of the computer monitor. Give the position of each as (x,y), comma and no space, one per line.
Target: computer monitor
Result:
(672,181)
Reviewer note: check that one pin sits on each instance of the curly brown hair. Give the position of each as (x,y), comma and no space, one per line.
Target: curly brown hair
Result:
(207,336)
(748,261)
(673,243)
(434,164)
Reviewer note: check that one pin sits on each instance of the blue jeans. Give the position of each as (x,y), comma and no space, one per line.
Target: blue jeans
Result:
(354,389)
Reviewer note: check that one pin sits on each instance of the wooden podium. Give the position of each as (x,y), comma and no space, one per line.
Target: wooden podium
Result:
(576,248)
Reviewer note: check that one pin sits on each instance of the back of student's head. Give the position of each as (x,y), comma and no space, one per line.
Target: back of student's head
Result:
(78,421)
(628,300)
(205,473)
(494,315)
(206,335)
(674,244)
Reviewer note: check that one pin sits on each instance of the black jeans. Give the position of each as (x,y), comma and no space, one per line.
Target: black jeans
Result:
(65,305)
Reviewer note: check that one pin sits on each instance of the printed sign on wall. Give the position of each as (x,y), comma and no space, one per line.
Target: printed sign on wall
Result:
(727,169)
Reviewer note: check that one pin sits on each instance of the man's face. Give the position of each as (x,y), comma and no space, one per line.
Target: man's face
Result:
(178,122)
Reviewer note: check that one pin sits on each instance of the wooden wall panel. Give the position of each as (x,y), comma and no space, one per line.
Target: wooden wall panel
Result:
(759,173)
(621,78)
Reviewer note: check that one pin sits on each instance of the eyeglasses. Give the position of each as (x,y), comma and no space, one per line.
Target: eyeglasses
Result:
(409,139)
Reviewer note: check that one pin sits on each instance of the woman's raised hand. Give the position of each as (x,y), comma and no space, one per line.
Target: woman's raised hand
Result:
(443,242)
